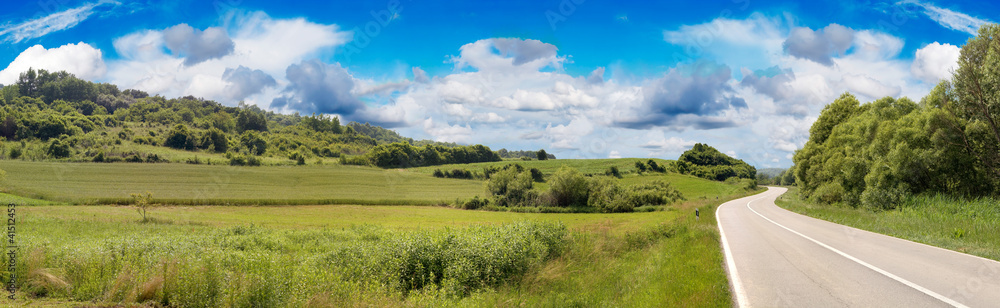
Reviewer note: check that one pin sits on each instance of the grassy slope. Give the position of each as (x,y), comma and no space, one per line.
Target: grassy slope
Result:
(968,227)
(312,184)
(638,259)
(78,182)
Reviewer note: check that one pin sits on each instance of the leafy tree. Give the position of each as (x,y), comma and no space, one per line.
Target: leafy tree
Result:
(640,166)
(216,140)
(142,204)
(706,162)
(569,187)
(58,149)
(976,96)
(251,119)
(542,155)
(607,196)
(180,137)
(510,187)
(253,142)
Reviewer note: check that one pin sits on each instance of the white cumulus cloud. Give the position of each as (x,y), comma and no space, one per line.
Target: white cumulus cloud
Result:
(80,59)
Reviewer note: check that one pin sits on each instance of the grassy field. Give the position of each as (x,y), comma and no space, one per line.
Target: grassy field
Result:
(185,184)
(380,256)
(965,226)
(211,184)
(351,255)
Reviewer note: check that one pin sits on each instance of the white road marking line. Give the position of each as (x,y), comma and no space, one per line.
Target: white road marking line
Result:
(741,295)
(872,267)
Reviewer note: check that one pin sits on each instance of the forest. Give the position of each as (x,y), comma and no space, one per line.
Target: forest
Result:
(878,154)
(57,116)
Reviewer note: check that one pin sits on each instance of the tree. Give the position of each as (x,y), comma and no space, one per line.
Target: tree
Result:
(253,142)
(216,140)
(510,187)
(251,119)
(58,149)
(568,187)
(180,137)
(142,204)
(542,155)
(977,96)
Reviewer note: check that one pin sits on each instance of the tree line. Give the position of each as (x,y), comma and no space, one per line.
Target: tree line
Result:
(877,154)
(55,115)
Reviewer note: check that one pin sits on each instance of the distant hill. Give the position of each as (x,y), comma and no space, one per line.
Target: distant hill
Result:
(56,116)
(771,172)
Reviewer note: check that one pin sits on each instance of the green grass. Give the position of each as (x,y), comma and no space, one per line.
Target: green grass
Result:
(205,184)
(965,226)
(185,184)
(295,255)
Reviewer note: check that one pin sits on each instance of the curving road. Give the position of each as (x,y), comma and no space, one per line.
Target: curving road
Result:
(776,258)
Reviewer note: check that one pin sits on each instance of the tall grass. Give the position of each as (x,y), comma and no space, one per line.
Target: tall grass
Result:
(254,266)
(969,226)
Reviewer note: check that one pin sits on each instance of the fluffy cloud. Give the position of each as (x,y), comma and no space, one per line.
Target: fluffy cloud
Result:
(567,136)
(420,76)
(685,97)
(244,82)
(447,133)
(935,62)
(820,45)
(196,45)
(179,62)
(80,59)
(505,55)
(672,144)
(318,87)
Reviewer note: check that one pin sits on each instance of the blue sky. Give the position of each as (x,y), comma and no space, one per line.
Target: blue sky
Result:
(582,79)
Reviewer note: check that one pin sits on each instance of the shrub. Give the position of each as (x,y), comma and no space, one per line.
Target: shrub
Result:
(640,166)
(179,137)
(58,149)
(536,175)
(15,153)
(656,167)
(438,173)
(613,171)
(216,141)
(253,142)
(99,158)
(657,192)
(568,187)
(510,187)
(474,203)
(134,158)
(607,196)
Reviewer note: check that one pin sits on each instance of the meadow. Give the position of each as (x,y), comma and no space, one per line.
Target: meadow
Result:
(968,226)
(102,183)
(189,184)
(354,255)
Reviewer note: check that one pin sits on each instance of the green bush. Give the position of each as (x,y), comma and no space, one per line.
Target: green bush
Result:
(14,153)
(609,197)
(569,187)
(510,187)
(57,149)
(180,137)
(613,171)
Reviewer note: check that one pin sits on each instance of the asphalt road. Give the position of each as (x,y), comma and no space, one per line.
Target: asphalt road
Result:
(776,258)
